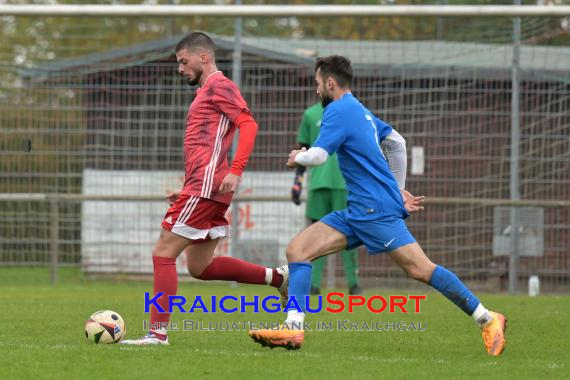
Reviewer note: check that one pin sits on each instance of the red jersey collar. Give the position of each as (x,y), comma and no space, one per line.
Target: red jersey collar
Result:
(208,77)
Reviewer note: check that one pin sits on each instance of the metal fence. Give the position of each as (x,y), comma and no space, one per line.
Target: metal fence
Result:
(464,234)
(98,112)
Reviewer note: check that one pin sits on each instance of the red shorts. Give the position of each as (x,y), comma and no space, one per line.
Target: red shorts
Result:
(197,219)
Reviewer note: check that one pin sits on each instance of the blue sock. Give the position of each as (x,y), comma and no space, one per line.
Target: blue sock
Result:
(300,282)
(451,286)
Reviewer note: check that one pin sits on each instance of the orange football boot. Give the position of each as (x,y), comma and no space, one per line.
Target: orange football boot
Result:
(493,333)
(282,337)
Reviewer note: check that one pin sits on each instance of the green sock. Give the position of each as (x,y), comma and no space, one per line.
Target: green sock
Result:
(318,268)
(350,264)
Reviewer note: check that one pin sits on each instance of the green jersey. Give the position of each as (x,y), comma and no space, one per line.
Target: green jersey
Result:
(328,175)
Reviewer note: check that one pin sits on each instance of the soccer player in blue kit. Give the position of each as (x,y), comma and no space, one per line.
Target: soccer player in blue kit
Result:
(377,207)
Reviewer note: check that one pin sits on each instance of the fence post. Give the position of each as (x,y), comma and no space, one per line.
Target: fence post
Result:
(236,77)
(514,251)
(515,154)
(54,238)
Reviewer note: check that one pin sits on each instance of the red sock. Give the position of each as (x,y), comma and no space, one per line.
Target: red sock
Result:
(166,281)
(232,269)
(277,279)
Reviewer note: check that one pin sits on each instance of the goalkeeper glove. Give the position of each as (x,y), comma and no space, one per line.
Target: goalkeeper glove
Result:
(296,190)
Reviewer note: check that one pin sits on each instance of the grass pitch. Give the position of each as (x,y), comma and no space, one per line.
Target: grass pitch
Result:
(41,337)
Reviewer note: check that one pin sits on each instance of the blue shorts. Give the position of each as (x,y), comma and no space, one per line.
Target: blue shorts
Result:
(379,236)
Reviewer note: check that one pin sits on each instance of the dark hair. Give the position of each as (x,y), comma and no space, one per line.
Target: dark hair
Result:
(196,41)
(337,67)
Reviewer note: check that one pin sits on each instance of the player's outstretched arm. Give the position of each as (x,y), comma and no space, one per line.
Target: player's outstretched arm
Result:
(315,156)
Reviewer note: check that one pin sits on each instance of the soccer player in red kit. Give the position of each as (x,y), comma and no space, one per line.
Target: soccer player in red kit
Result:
(196,219)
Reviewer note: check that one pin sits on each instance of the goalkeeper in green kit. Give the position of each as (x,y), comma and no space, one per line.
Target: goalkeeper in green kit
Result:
(326,193)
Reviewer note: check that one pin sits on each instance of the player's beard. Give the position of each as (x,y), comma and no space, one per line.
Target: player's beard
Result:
(197,75)
(326,99)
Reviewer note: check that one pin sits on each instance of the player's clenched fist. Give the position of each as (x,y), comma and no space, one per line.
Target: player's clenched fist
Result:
(291,161)
(229,183)
(172,196)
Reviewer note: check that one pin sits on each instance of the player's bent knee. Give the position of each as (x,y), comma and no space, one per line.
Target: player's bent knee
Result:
(168,245)
(415,273)
(161,251)
(292,255)
(422,274)
(197,269)
(195,273)
(157,251)
(295,254)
